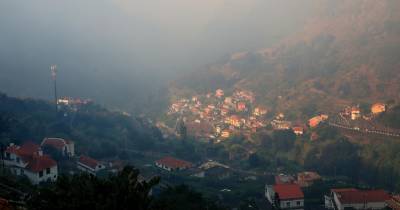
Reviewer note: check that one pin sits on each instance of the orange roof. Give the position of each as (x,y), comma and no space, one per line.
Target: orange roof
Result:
(39,163)
(288,191)
(298,129)
(363,196)
(174,163)
(28,148)
(88,161)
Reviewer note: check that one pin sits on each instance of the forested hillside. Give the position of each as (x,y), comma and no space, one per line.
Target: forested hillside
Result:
(96,131)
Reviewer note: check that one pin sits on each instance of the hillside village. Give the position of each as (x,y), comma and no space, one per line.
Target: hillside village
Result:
(218,116)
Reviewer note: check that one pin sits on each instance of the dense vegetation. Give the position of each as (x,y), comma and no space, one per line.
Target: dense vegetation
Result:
(95,130)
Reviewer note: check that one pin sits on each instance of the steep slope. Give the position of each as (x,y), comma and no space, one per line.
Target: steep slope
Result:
(349,52)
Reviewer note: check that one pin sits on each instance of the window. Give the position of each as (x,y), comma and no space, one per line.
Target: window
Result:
(8,155)
(298,203)
(47,170)
(288,204)
(18,159)
(40,174)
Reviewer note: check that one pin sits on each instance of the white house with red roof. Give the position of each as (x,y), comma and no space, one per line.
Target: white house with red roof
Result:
(66,147)
(29,160)
(172,164)
(89,165)
(357,199)
(285,196)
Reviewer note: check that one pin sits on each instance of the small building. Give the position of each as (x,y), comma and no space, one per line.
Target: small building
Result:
(89,165)
(28,160)
(65,147)
(285,196)
(314,122)
(355,113)
(219,93)
(281,124)
(172,164)
(241,106)
(225,134)
(218,172)
(235,121)
(378,108)
(228,100)
(260,111)
(351,198)
(224,111)
(298,130)
(307,178)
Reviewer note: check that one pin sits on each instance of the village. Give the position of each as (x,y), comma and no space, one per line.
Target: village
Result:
(218,117)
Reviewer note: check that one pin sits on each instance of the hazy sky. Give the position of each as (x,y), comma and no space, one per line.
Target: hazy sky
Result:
(105,46)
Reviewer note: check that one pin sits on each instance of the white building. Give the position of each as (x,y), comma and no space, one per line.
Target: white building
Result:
(29,160)
(356,199)
(287,196)
(66,147)
(89,165)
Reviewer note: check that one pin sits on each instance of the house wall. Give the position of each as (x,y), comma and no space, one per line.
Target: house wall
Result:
(163,167)
(372,206)
(71,149)
(12,161)
(269,193)
(292,204)
(35,179)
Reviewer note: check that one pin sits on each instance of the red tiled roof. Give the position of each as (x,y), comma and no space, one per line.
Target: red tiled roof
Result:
(54,142)
(38,163)
(362,196)
(298,129)
(28,148)
(173,162)
(288,191)
(88,161)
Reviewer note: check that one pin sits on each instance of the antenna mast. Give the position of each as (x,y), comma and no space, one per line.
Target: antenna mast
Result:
(53,69)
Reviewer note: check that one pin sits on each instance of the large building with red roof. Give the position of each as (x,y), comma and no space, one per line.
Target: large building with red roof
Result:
(65,147)
(172,164)
(357,199)
(285,196)
(28,160)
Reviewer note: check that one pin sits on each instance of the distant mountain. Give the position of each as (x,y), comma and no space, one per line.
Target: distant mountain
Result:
(348,52)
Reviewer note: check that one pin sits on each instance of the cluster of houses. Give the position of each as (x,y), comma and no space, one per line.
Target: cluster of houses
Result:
(355,113)
(220,116)
(30,159)
(287,193)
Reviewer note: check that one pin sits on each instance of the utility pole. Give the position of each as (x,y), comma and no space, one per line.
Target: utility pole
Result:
(53,69)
